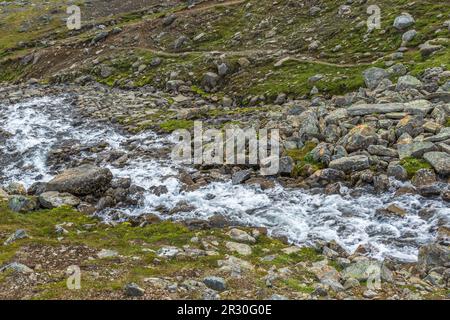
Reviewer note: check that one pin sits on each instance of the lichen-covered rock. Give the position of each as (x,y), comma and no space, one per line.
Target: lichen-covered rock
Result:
(22,204)
(54,199)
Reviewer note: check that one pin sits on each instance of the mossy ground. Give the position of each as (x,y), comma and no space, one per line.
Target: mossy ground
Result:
(136,246)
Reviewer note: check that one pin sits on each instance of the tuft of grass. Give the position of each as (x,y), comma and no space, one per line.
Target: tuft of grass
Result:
(172,125)
(302,157)
(412,165)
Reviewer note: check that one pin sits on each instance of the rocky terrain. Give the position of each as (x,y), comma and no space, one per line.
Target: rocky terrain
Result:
(359,208)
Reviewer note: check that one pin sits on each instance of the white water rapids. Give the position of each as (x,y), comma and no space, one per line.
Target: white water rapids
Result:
(36,125)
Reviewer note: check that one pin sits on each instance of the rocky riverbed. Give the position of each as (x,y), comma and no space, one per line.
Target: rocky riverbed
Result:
(367,180)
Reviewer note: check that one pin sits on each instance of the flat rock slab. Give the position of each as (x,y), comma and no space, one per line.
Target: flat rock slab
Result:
(349,164)
(366,109)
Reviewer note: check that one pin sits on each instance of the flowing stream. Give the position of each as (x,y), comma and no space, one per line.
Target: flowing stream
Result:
(32,129)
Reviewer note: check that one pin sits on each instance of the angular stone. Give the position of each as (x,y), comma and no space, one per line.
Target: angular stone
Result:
(443,135)
(215,283)
(133,290)
(408,82)
(241,248)
(349,164)
(241,176)
(415,149)
(440,162)
(368,109)
(378,150)
(241,236)
(373,77)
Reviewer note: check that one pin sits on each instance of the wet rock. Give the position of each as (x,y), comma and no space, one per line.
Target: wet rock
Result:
(86,208)
(19,234)
(241,176)
(392,210)
(82,181)
(105,202)
(349,164)
(381,183)
(22,204)
(215,283)
(53,199)
(159,190)
(446,196)
(133,290)
(440,162)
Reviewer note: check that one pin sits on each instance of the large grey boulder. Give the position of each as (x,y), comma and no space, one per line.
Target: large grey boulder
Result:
(349,164)
(440,162)
(81,181)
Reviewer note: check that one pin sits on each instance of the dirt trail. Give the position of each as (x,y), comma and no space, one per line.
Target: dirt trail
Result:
(246,53)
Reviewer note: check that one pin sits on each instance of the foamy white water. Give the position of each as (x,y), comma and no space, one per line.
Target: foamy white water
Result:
(36,125)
